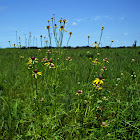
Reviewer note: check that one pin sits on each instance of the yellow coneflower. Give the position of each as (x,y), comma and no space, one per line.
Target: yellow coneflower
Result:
(70,33)
(79,92)
(102,27)
(14,45)
(52,66)
(98,81)
(35,73)
(62,29)
(69,59)
(64,21)
(60,21)
(40,35)
(32,60)
(48,27)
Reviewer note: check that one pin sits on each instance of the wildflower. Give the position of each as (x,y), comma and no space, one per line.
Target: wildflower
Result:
(88,36)
(132,60)
(97,87)
(121,74)
(52,18)
(96,44)
(96,61)
(40,35)
(48,27)
(104,98)
(85,101)
(48,51)
(52,65)
(78,83)
(118,79)
(90,58)
(47,64)
(55,26)
(70,33)
(30,67)
(42,99)
(104,68)
(98,53)
(103,124)
(9,41)
(64,21)
(105,60)
(50,60)
(46,41)
(62,29)
(98,81)
(35,73)
(79,92)
(44,59)
(99,108)
(60,21)
(88,52)
(102,27)
(69,59)
(15,45)
(112,41)
(32,60)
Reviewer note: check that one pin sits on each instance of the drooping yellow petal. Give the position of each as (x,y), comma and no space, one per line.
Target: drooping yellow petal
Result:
(39,73)
(35,76)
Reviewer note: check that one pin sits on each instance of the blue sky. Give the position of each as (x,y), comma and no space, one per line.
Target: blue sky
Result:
(120,19)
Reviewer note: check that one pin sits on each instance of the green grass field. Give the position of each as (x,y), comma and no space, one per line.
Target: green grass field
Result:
(63,103)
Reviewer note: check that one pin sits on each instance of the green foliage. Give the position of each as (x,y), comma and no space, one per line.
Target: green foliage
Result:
(50,108)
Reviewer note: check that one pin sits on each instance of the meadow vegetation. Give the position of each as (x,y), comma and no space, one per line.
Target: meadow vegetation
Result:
(70,94)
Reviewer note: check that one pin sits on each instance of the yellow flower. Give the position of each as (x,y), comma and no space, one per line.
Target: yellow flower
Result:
(62,29)
(64,21)
(95,44)
(35,73)
(15,45)
(52,65)
(47,64)
(69,59)
(98,81)
(79,92)
(102,27)
(32,60)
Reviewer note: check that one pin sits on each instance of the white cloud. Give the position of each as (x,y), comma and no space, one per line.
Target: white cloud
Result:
(97,18)
(125,34)
(74,24)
